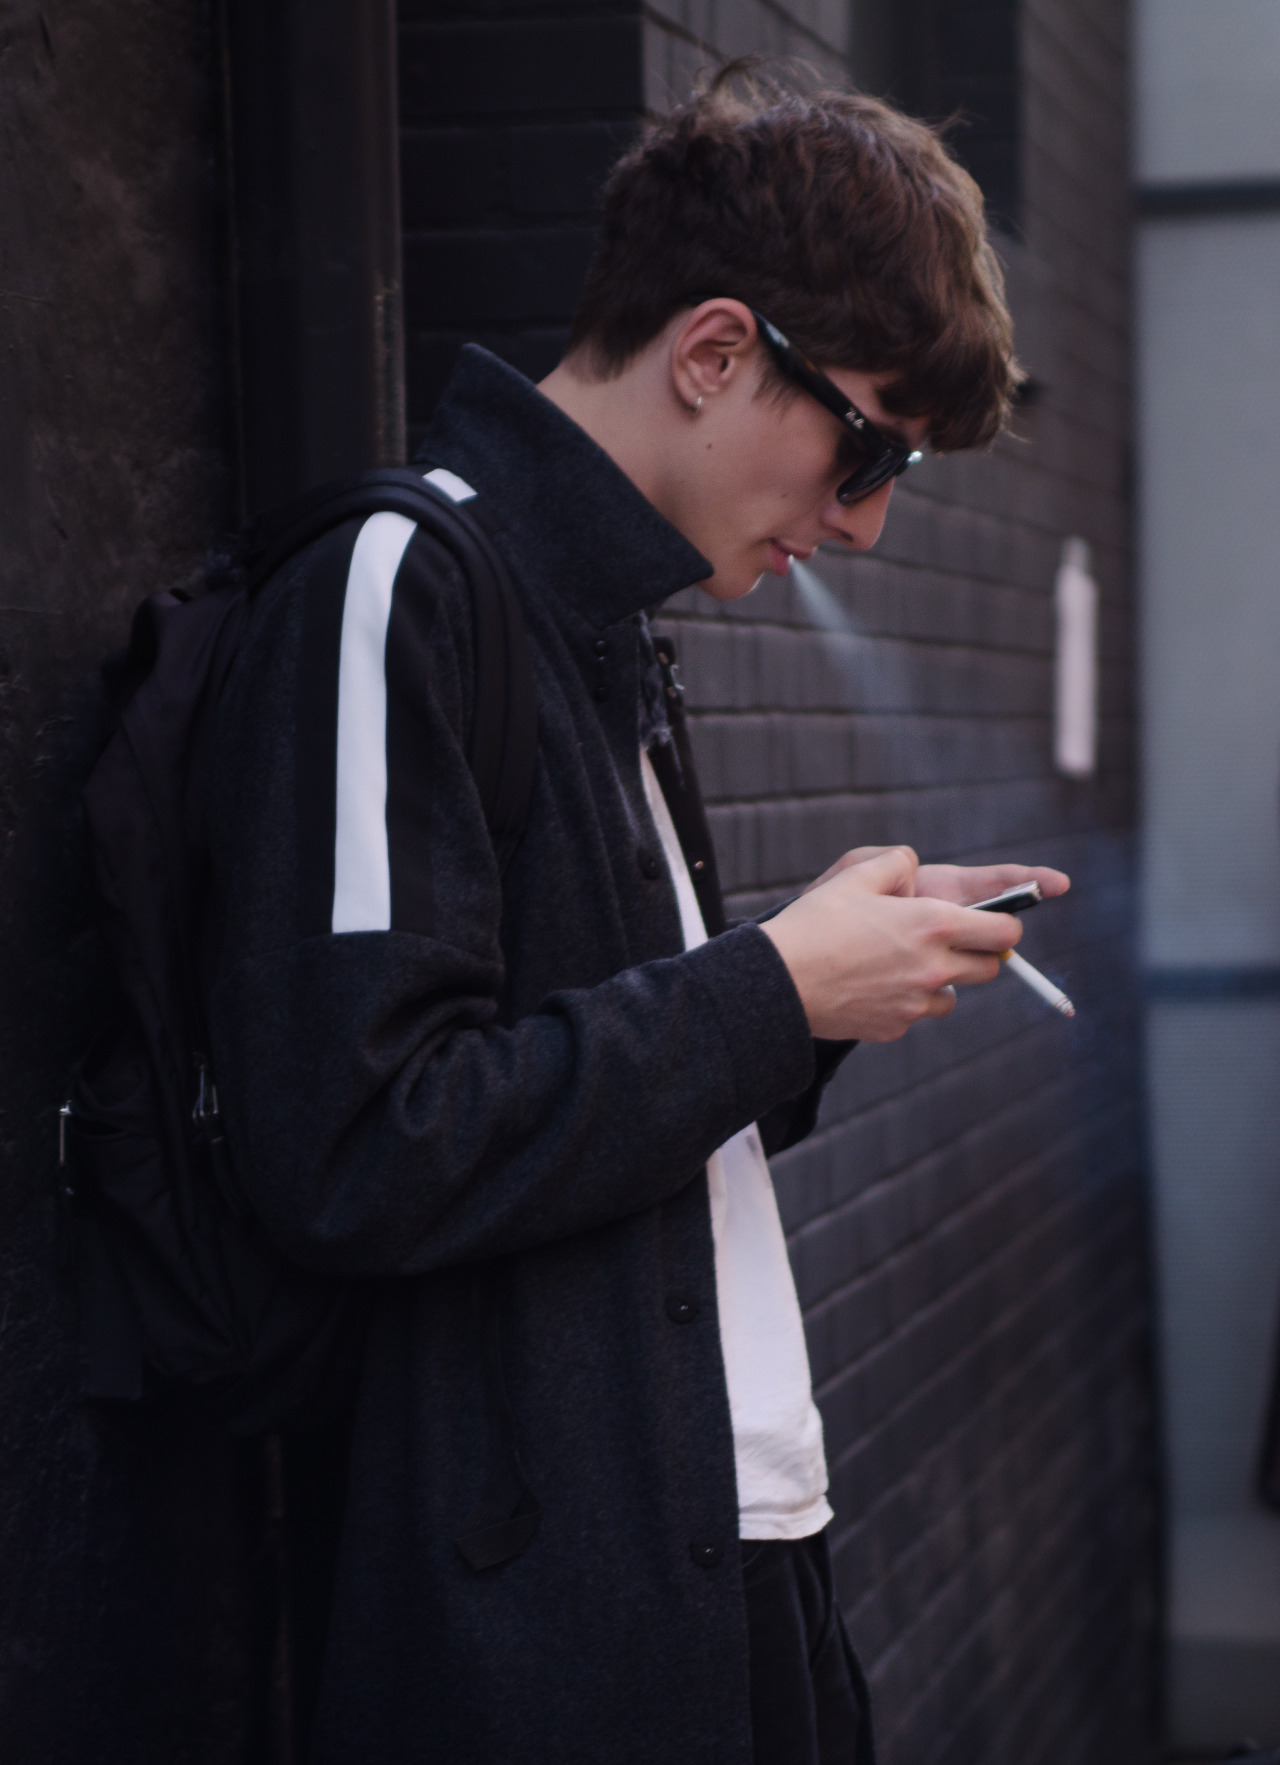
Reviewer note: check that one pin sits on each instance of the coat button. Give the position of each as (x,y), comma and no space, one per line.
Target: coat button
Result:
(602,646)
(681,1309)
(705,1553)
(649,865)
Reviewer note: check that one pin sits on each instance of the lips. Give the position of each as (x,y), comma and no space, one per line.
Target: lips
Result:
(781,554)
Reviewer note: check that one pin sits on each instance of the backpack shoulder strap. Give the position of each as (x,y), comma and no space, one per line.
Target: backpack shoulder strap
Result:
(503,743)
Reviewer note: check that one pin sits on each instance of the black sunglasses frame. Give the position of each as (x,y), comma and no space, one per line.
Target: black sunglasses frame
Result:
(886,459)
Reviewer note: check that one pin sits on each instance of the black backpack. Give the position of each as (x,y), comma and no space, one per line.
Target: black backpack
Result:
(179,1288)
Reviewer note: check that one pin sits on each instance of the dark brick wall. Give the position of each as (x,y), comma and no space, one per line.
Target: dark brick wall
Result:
(953,61)
(511,113)
(967,1225)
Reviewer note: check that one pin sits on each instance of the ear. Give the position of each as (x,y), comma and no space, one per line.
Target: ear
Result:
(709,348)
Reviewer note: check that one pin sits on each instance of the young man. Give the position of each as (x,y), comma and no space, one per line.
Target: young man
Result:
(533,1110)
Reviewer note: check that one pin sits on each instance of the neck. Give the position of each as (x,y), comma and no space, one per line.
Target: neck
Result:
(624,416)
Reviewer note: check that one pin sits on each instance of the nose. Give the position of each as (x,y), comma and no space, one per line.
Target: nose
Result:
(859,525)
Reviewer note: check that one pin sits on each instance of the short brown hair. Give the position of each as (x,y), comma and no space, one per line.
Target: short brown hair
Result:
(842,220)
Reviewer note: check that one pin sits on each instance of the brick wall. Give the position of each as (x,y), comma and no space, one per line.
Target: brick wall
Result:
(511,113)
(683,37)
(966,1225)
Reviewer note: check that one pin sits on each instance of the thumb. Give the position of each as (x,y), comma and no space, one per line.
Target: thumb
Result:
(893,872)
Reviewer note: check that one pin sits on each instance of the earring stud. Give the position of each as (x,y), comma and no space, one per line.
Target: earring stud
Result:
(697,404)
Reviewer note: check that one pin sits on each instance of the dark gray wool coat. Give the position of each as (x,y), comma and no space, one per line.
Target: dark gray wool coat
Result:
(537,1073)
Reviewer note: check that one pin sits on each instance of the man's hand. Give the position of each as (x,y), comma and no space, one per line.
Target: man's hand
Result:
(870,956)
(960,883)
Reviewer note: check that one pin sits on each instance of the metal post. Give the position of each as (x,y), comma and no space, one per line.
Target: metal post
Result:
(314,212)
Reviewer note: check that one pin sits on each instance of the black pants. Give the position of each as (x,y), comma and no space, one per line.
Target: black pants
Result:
(809,1703)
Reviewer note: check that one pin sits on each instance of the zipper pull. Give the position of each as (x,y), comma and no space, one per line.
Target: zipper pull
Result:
(205,1108)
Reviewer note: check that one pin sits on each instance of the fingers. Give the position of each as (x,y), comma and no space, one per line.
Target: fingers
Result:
(859,855)
(942,1003)
(1007,876)
(975,971)
(1001,931)
(892,872)
(962,883)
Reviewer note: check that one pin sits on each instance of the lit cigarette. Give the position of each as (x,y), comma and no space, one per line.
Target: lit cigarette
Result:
(1038,983)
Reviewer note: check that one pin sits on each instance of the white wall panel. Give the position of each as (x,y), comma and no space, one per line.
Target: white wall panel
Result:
(1209,471)
(1207,73)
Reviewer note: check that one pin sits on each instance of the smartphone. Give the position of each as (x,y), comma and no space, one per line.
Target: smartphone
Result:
(1015,900)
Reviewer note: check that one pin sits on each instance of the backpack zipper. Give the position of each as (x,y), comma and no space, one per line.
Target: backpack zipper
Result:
(204,1111)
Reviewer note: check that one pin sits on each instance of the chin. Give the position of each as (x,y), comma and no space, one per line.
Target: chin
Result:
(725,587)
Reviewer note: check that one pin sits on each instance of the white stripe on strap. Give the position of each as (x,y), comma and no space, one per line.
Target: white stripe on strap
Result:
(453,486)
(361,856)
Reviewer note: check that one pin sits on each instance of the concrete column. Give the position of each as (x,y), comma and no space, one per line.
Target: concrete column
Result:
(1208,267)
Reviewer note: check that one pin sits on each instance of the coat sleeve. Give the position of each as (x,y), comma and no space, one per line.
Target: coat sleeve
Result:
(382,1117)
(795,1118)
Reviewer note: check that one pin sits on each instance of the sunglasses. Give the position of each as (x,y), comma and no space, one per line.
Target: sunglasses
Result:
(883,459)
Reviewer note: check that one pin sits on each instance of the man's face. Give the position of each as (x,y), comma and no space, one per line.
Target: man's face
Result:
(759,486)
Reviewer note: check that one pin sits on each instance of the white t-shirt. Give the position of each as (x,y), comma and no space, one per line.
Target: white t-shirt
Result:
(777,1431)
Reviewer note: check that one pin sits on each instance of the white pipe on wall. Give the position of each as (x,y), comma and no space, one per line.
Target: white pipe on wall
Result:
(1075,723)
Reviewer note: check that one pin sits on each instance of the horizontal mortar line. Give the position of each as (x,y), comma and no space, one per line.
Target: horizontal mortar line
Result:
(1117,1347)
(974,1275)
(1057,188)
(1056,1210)
(941,504)
(942,571)
(829,1215)
(1114,210)
(1048,1541)
(1089,364)
(505,227)
(1060,475)
(1075,177)
(1048,1348)
(1189,199)
(972,1202)
(1049,1662)
(508,226)
(482,121)
(1194,984)
(836,798)
(1066,49)
(1040,528)
(675,29)
(868,799)
(989,1050)
(1066,1637)
(889,568)
(948,645)
(889,714)
(808,716)
(1029,1355)
(1075,1387)
(949,649)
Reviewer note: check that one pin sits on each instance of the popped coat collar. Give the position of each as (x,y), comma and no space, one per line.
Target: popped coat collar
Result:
(579,529)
